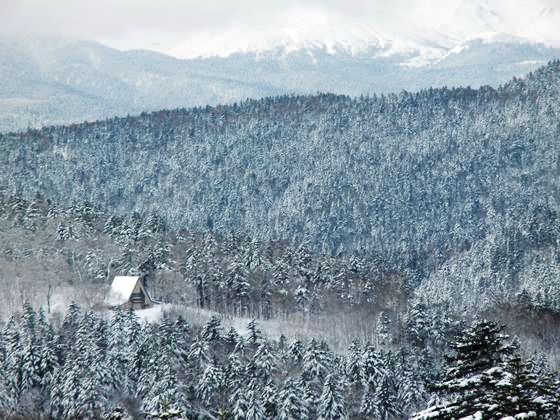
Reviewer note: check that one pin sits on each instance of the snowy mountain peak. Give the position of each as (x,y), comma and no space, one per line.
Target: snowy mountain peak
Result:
(332,37)
(545,27)
(474,17)
(425,35)
(535,20)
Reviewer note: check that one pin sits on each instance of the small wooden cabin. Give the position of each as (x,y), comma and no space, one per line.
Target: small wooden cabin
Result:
(129,292)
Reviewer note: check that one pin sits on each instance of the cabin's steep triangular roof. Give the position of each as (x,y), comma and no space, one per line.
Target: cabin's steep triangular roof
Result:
(121,289)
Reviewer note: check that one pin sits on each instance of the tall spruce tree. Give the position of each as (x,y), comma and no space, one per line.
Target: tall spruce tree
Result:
(291,404)
(468,383)
(331,401)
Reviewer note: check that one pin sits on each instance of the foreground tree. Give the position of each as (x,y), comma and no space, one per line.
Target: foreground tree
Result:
(522,393)
(485,380)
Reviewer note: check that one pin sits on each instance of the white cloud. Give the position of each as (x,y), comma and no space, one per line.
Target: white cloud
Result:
(124,20)
(135,23)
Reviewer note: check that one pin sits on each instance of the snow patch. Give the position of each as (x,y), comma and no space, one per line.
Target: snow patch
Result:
(153,314)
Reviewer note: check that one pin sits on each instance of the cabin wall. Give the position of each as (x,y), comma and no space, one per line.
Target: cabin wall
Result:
(147,301)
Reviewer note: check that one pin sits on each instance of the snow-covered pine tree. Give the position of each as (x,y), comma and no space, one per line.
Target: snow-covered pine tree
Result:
(210,386)
(13,360)
(519,392)
(165,399)
(198,355)
(91,400)
(269,398)
(48,357)
(291,405)
(240,404)
(233,373)
(353,375)
(240,286)
(30,350)
(295,353)
(353,363)
(118,351)
(417,324)
(32,213)
(265,362)
(112,225)
(212,331)
(7,404)
(255,409)
(331,401)
(468,384)
(231,338)
(383,329)
(380,401)
(254,334)
(315,362)
(69,328)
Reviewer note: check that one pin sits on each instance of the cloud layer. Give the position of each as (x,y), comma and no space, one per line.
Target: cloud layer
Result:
(133,23)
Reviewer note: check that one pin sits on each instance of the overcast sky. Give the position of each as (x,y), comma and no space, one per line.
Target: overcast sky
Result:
(136,23)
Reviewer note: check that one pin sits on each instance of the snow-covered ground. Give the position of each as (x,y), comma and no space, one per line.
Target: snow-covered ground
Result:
(153,314)
(338,330)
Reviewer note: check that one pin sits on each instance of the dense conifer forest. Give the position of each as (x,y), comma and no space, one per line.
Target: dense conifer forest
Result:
(415,225)
(429,182)
(117,368)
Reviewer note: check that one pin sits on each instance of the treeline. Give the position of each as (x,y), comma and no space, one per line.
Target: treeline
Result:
(430,183)
(93,367)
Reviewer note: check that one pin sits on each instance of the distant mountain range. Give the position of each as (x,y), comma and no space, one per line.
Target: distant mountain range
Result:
(48,81)
(422,35)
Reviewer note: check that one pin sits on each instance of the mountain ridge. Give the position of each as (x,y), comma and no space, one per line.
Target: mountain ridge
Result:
(61,81)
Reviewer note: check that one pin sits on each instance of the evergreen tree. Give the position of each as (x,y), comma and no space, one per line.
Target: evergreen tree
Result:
(353,363)
(30,350)
(211,332)
(468,382)
(210,385)
(380,400)
(13,364)
(265,362)
(518,392)
(240,404)
(164,397)
(291,404)
(118,351)
(255,409)
(232,338)
(331,403)
(254,334)
(48,358)
(417,324)
(234,373)
(296,352)
(315,362)
(269,398)
(383,329)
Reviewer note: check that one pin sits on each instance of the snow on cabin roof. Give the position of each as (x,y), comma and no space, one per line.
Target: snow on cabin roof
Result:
(121,289)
